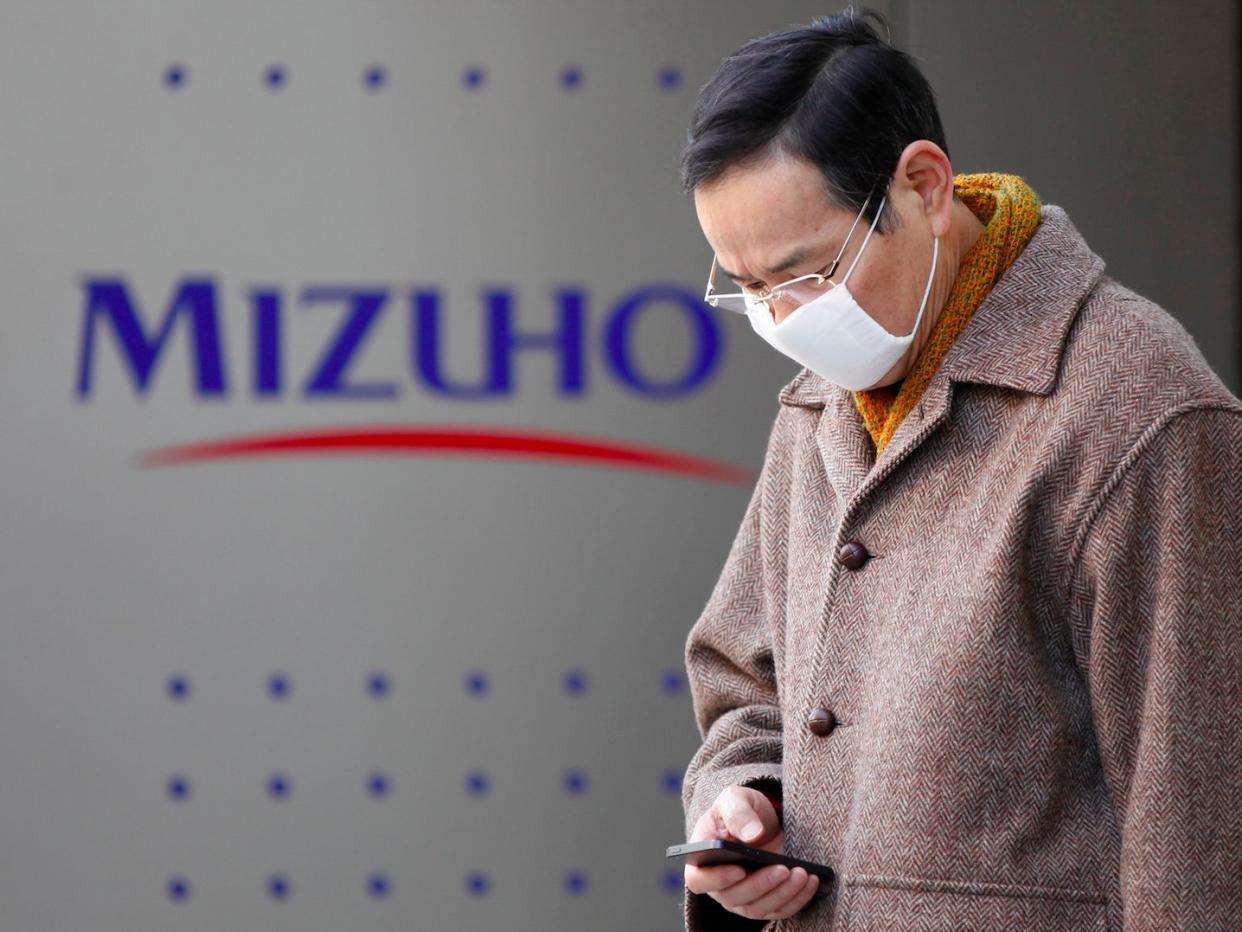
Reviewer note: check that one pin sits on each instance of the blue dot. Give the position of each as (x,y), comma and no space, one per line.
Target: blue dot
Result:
(174,76)
(473,77)
(575,882)
(279,686)
(178,888)
(574,781)
(477,883)
(476,682)
(672,781)
(378,684)
(575,682)
(374,77)
(279,786)
(178,787)
(672,681)
(278,887)
(274,76)
(477,783)
(378,886)
(674,881)
(179,687)
(670,78)
(571,77)
(378,784)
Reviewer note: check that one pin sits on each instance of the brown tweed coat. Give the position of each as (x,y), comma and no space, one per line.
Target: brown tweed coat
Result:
(1036,673)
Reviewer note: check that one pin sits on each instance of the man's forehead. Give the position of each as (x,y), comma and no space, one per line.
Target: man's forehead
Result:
(757,199)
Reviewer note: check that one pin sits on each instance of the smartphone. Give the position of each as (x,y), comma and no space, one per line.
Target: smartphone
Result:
(726,851)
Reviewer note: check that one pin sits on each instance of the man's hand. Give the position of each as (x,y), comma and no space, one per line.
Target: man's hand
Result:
(744,814)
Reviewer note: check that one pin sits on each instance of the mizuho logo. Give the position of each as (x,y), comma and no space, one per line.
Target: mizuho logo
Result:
(109,305)
(110,302)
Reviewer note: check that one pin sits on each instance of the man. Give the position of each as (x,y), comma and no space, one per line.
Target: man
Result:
(977,645)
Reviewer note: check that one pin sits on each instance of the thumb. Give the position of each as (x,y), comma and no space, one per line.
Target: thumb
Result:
(744,820)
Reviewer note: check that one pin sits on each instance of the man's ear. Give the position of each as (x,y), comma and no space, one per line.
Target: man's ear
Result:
(926,168)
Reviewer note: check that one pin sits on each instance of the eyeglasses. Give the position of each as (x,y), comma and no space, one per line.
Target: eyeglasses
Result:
(800,290)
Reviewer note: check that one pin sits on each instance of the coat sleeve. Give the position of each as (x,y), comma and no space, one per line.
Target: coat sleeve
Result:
(1159,586)
(730,667)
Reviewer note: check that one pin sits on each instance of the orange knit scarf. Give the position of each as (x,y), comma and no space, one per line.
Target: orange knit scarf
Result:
(1009,209)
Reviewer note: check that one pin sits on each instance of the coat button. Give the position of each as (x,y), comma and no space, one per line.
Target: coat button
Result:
(853,555)
(821,721)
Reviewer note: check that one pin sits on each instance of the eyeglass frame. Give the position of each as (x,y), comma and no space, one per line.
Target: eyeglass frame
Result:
(764,299)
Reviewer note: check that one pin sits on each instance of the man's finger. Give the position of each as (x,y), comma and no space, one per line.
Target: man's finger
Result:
(714,877)
(799,902)
(759,883)
(779,898)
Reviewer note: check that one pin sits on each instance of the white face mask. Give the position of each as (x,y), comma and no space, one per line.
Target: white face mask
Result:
(834,337)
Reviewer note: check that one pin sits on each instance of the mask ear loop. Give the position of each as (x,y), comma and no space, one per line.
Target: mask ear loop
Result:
(930,275)
(879,210)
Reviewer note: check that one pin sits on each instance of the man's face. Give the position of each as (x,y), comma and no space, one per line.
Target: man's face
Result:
(756,217)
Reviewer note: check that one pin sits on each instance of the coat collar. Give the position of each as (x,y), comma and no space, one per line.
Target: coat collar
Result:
(1016,336)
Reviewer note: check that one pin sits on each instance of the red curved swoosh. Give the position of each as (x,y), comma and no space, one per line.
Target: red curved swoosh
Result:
(413,439)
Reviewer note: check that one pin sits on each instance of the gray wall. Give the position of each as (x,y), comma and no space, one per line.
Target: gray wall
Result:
(325,567)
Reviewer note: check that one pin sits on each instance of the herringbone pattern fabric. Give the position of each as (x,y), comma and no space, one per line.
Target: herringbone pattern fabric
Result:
(1038,673)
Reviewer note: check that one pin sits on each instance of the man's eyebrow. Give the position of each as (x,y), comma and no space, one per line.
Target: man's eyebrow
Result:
(799,255)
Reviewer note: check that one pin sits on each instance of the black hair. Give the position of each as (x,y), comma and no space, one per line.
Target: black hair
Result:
(832,92)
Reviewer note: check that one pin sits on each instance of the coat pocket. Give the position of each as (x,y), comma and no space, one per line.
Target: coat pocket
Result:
(883,904)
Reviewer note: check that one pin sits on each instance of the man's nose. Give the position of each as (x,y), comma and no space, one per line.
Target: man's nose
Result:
(782,306)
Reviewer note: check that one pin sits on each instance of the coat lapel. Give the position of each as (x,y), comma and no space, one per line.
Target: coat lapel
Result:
(846,447)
